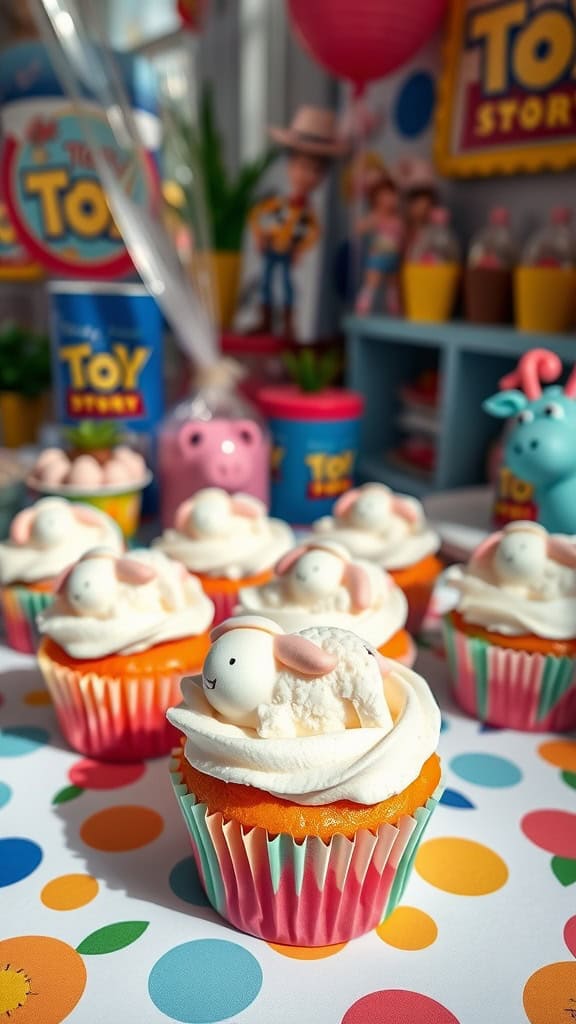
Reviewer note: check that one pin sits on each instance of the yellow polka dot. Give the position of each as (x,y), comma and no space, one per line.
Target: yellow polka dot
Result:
(408,928)
(550,994)
(68,892)
(307,952)
(461,866)
(561,753)
(37,698)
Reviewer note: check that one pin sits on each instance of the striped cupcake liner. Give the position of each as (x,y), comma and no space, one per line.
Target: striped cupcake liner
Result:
(300,893)
(20,606)
(510,688)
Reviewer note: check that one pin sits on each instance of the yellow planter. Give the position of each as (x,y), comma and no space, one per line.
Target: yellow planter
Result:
(430,291)
(544,298)
(20,418)
(226,272)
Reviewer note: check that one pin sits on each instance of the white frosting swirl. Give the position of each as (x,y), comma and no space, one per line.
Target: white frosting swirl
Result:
(170,606)
(53,537)
(364,765)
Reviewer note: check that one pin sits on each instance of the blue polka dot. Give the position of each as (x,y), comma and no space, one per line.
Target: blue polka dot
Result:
(5,794)
(452,798)
(204,981)
(18,859)
(415,104)
(486,770)
(186,884)
(18,740)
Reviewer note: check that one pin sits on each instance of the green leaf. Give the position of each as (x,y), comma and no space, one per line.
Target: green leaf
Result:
(564,869)
(66,794)
(569,779)
(90,435)
(112,937)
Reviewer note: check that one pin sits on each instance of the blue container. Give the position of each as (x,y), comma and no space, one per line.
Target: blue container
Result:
(314,447)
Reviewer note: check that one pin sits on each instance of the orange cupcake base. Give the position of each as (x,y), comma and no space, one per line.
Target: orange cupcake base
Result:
(417,581)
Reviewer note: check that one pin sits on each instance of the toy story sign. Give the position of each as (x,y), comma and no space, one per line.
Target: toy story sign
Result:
(507,99)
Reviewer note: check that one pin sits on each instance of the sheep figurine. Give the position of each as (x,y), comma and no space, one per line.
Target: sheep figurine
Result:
(281,684)
(214,513)
(372,506)
(49,522)
(90,586)
(322,577)
(526,559)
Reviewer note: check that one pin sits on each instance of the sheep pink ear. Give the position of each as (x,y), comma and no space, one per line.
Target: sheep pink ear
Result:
(289,559)
(21,526)
(223,627)
(182,514)
(59,584)
(129,571)
(405,510)
(345,503)
(358,582)
(386,665)
(563,551)
(301,655)
(487,548)
(86,515)
(244,505)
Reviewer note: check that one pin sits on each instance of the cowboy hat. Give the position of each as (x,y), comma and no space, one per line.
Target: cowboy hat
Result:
(313,131)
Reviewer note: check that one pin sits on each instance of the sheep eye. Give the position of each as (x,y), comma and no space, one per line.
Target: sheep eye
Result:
(554,411)
(526,416)
(368,651)
(232,661)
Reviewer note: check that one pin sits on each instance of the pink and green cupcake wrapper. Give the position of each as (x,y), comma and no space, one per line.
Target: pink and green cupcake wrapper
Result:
(300,893)
(20,606)
(515,689)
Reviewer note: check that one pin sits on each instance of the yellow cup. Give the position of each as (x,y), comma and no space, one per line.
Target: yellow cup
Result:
(430,291)
(123,508)
(544,298)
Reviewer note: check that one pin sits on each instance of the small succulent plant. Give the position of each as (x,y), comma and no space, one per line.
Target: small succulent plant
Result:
(92,437)
(313,370)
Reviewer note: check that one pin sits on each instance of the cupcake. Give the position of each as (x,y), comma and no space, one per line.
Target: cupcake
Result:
(228,541)
(306,777)
(117,639)
(44,540)
(319,584)
(511,638)
(390,529)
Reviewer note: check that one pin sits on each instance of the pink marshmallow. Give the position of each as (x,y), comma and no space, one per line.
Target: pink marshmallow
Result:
(86,472)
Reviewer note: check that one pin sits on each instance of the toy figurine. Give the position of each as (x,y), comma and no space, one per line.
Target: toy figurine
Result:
(419,190)
(285,227)
(387,236)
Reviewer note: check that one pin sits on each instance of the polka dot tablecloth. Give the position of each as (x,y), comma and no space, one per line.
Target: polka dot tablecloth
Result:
(102,917)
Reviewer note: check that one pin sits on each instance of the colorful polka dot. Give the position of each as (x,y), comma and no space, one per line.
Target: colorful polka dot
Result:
(119,829)
(308,952)
(41,980)
(408,928)
(69,892)
(18,859)
(461,866)
(570,935)
(18,740)
(414,104)
(550,994)
(37,698)
(554,831)
(204,981)
(398,1006)
(486,770)
(561,753)
(564,869)
(89,774)
(452,798)
(185,883)
(5,793)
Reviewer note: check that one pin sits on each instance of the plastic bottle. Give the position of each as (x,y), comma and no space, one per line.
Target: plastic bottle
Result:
(493,247)
(437,242)
(554,244)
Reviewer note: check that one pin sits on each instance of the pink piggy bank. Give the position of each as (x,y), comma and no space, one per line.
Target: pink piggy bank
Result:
(233,454)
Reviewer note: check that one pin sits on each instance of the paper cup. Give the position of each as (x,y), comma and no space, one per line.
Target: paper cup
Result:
(20,606)
(430,291)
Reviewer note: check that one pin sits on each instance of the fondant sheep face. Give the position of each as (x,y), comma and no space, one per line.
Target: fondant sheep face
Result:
(370,508)
(521,556)
(51,524)
(315,574)
(211,513)
(91,587)
(239,674)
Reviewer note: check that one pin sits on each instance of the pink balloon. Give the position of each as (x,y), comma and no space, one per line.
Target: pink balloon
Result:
(364,39)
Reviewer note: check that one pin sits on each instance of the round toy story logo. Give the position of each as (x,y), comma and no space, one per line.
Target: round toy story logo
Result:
(54,197)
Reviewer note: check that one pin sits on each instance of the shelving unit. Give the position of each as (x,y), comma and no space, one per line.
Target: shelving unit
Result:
(383,353)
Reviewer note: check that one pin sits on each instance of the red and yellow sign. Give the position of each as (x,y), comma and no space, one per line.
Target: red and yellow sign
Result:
(507,99)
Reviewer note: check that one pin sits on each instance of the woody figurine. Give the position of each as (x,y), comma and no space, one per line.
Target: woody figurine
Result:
(285,227)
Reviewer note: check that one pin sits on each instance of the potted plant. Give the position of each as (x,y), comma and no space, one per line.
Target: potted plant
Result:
(24,383)
(228,197)
(315,433)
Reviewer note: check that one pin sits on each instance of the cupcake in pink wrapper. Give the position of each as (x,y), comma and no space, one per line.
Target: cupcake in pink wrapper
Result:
(390,529)
(511,639)
(44,539)
(228,541)
(318,583)
(116,641)
(306,777)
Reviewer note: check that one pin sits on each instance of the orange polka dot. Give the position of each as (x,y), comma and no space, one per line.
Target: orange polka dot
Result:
(408,928)
(561,753)
(118,829)
(37,698)
(461,866)
(41,979)
(550,994)
(68,892)
(308,952)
